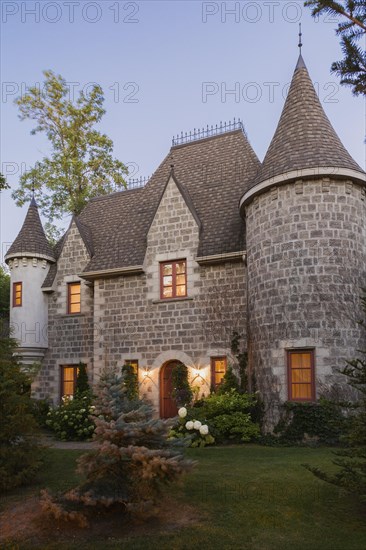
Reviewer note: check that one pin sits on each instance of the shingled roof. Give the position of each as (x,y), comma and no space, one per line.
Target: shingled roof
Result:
(304,137)
(31,240)
(214,172)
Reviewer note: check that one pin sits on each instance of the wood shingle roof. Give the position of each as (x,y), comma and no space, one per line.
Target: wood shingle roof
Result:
(31,239)
(214,172)
(304,137)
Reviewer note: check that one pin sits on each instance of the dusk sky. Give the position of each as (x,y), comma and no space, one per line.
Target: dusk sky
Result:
(165,67)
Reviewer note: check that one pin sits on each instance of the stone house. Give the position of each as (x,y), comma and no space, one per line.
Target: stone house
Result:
(215,243)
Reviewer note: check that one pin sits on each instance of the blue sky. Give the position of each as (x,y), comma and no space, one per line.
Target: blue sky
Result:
(157,61)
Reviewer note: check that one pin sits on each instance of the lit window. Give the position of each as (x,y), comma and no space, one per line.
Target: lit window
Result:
(173,277)
(218,370)
(17,294)
(301,383)
(73,298)
(69,375)
(134,364)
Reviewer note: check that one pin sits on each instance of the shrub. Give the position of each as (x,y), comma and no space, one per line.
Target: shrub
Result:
(189,429)
(20,457)
(321,422)
(82,383)
(229,382)
(131,383)
(71,421)
(229,415)
(182,391)
(234,426)
(40,410)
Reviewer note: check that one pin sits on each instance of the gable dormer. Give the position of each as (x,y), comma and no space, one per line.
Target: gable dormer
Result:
(172,244)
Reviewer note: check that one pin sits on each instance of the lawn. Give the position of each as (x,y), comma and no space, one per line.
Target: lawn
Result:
(243,497)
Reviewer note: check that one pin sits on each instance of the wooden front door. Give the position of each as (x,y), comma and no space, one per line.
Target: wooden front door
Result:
(168,406)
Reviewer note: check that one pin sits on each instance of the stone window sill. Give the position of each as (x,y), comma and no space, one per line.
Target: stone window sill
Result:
(169,300)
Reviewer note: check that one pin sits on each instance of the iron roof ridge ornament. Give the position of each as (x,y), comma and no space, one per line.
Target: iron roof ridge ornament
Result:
(208,131)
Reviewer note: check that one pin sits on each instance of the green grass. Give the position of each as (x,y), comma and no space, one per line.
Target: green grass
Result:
(57,474)
(246,497)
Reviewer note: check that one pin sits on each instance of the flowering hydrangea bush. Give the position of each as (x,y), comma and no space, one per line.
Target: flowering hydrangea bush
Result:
(71,421)
(230,416)
(197,433)
(219,418)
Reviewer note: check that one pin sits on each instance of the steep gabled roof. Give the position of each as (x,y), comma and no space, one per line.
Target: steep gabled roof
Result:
(87,238)
(304,137)
(31,240)
(185,194)
(213,173)
(85,234)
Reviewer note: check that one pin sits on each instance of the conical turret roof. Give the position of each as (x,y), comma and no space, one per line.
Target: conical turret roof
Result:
(304,137)
(31,240)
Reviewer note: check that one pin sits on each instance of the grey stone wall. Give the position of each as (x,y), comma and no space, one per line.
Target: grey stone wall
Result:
(70,337)
(131,322)
(306,263)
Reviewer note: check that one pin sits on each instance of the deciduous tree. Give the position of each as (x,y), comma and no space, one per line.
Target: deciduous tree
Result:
(80,165)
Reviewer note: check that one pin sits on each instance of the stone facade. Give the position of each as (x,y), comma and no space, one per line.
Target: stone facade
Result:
(306,257)
(132,322)
(70,337)
(275,252)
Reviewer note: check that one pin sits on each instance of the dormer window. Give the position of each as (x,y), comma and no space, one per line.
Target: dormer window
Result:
(73,298)
(173,279)
(17,294)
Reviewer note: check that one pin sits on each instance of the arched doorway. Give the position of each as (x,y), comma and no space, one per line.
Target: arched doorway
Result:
(168,406)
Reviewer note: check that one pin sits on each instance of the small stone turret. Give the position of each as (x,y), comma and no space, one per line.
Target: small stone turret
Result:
(29,259)
(306,254)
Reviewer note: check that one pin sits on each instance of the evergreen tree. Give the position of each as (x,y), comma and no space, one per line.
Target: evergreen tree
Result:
(131,383)
(352,68)
(82,382)
(182,391)
(20,458)
(229,382)
(134,458)
(352,460)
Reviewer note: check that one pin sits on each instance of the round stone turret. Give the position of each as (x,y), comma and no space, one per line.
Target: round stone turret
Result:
(29,260)
(306,255)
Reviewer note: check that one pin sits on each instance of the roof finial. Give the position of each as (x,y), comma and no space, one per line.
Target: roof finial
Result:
(300,35)
(33,201)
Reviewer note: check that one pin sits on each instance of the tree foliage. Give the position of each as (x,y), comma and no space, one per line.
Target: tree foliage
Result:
(80,165)
(82,382)
(130,380)
(132,462)
(3,183)
(20,458)
(351,474)
(182,391)
(352,68)
(4,294)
